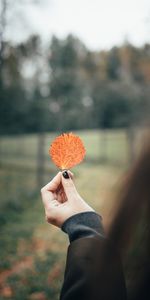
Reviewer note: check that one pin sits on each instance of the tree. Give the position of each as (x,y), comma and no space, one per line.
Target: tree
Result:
(113,64)
(66,86)
(115,107)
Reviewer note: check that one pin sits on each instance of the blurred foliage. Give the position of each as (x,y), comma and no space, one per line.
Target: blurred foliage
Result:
(66,86)
(24,271)
(42,280)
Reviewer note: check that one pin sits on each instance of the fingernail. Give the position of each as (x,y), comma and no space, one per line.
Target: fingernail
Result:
(66,175)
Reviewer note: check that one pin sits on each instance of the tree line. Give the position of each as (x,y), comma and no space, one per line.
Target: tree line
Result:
(66,86)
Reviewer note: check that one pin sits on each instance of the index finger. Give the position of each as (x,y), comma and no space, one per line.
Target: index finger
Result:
(53,184)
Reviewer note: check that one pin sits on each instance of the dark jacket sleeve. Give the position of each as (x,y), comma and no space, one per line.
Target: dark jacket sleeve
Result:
(93,267)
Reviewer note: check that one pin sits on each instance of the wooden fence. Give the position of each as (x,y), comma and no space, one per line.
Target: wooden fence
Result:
(30,152)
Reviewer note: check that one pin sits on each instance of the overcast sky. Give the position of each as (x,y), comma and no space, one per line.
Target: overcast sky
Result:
(98,23)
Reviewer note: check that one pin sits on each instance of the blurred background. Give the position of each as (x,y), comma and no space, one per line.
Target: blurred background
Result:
(80,66)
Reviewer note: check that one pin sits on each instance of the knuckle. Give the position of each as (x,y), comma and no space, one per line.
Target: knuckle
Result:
(68,184)
(42,190)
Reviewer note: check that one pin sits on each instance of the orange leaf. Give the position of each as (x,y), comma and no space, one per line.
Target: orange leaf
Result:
(67,150)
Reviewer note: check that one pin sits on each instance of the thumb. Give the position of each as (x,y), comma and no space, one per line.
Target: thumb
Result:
(68,185)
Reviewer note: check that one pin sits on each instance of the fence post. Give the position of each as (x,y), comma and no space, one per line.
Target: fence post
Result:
(131,142)
(103,146)
(40,159)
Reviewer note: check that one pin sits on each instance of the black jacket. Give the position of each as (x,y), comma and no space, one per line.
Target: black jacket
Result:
(93,267)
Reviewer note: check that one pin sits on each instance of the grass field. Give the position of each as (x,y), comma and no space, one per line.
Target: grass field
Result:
(32,257)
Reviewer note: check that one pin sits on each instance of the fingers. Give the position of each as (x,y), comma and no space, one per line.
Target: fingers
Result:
(47,198)
(61,196)
(53,184)
(48,190)
(68,185)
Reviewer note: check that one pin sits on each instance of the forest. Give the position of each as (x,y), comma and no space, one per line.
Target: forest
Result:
(66,86)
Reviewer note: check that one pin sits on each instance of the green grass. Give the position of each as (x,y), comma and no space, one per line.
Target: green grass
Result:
(24,235)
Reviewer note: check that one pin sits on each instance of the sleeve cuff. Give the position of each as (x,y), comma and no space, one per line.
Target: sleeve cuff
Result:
(86,224)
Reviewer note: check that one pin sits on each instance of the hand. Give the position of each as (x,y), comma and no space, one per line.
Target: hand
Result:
(61,199)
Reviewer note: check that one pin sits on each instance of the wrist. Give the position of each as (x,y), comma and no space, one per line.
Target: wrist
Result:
(83,224)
